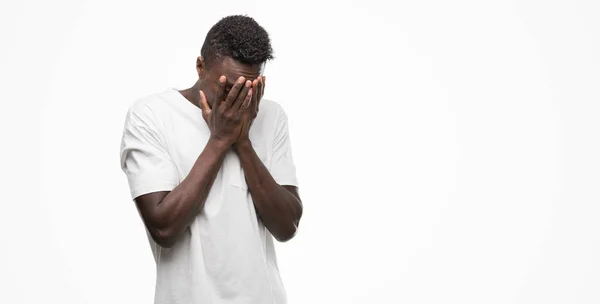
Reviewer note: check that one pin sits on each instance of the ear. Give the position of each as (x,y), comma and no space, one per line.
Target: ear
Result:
(200,66)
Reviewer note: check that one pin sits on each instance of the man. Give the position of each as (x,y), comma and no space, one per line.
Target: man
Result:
(211,172)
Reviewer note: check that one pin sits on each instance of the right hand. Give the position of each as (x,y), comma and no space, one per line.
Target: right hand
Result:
(225,118)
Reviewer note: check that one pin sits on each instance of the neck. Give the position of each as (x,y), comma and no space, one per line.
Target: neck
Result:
(192,94)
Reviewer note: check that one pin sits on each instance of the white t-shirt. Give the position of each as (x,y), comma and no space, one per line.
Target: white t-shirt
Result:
(226,255)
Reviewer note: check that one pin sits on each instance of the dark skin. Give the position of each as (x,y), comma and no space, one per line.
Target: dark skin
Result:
(229,94)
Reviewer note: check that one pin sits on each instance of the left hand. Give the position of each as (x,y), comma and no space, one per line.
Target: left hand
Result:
(258,89)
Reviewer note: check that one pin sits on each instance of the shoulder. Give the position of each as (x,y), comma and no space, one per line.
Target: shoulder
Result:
(272,110)
(146,110)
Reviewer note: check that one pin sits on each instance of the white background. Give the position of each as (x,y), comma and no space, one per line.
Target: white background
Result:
(448,151)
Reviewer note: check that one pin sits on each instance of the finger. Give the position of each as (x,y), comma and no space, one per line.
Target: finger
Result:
(239,102)
(262,89)
(204,106)
(220,90)
(260,93)
(233,93)
(255,96)
(247,102)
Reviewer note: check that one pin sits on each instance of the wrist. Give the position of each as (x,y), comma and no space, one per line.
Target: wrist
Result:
(219,143)
(242,144)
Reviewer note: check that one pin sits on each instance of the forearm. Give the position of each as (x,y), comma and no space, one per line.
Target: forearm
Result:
(278,209)
(179,207)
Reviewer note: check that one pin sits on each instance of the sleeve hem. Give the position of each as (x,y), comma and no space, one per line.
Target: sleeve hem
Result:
(145,189)
(286,181)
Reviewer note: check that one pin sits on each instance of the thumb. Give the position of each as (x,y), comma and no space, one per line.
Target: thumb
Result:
(204,104)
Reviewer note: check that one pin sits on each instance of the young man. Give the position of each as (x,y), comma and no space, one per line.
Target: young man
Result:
(211,172)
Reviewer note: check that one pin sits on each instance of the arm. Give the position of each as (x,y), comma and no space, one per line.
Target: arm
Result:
(166,208)
(167,214)
(275,195)
(278,207)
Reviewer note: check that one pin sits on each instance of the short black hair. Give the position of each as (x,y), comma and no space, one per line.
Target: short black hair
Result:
(239,37)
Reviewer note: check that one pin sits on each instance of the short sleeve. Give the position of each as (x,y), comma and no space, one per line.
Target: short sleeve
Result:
(283,169)
(144,157)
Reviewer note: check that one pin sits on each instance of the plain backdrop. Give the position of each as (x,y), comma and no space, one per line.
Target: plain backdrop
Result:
(448,151)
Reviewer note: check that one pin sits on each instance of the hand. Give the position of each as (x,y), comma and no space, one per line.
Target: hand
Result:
(225,118)
(258,87)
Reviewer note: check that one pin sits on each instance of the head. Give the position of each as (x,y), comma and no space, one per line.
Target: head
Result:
(235,46)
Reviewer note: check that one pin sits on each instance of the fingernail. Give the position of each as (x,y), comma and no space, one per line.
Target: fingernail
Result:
(241,79)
